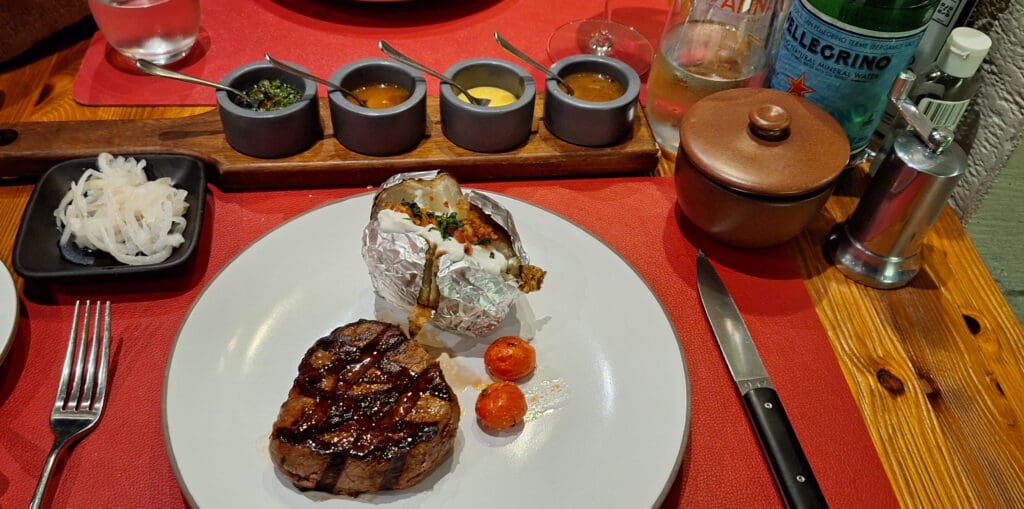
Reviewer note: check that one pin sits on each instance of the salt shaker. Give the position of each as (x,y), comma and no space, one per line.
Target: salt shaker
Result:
(915,173)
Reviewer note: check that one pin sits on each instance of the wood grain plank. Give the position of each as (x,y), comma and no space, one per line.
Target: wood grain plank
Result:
(40,145)
(947,434)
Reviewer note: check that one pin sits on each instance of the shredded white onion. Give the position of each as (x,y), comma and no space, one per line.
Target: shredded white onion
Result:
(119,211)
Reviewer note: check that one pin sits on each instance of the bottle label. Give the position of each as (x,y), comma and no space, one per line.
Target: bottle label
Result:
(845,69)
(943,113)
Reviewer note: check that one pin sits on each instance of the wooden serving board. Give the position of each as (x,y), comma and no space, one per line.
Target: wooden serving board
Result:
(28,149)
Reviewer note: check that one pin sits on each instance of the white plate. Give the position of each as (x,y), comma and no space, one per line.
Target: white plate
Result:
(611,386)
(8,311)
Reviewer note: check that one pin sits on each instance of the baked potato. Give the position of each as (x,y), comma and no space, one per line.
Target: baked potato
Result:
(445,254)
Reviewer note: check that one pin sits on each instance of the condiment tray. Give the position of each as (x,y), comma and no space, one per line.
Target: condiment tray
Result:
(29,148)
(37,253)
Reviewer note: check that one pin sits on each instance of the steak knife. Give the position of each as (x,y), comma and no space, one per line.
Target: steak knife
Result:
(792,472)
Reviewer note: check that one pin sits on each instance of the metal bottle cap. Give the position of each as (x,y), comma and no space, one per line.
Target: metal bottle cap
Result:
(880,244)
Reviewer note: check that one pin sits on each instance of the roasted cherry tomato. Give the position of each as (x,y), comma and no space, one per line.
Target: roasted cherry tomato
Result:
(501,405)
(510,358)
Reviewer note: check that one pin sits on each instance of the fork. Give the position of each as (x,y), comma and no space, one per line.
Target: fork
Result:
(82,390)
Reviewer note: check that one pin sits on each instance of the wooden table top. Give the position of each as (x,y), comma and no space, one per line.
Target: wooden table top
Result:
(935,367)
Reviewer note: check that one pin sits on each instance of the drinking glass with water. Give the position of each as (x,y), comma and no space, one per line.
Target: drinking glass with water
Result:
(161,31)
(707,46)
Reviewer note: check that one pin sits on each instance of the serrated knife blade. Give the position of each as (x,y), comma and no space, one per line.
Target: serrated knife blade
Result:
(790,469)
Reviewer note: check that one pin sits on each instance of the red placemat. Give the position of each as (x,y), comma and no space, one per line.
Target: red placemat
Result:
(124,463)
(324,35)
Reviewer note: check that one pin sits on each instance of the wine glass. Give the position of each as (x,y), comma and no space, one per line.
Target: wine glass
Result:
(602,36)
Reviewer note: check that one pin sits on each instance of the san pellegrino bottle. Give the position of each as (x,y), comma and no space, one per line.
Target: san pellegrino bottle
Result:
(844,55)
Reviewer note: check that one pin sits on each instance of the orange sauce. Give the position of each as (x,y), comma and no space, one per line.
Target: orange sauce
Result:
(592,86)
(380,95)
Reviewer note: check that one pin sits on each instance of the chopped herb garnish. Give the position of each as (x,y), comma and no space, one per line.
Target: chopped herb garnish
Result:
(492,254)
(413,207)
(269,94)
(446,223)
(484,242)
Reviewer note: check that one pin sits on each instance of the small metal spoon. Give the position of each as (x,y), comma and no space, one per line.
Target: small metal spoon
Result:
(298,72)
(526,58)
(390,51)
(155,70)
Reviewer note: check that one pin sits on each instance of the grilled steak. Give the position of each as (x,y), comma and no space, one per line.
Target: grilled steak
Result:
(369,410)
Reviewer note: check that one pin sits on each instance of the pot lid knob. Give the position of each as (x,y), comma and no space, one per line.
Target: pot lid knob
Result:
(769,122)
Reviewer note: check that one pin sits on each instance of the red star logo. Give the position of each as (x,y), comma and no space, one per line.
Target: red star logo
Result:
(798,87)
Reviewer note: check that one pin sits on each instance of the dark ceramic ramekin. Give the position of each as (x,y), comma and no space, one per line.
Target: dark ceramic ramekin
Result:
(488,128)
(379,132)
(590,123)
(270,134)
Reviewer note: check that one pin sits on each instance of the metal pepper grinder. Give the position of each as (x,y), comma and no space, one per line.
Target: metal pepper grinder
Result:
(914,174)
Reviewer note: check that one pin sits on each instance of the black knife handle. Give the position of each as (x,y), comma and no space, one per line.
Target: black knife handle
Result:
(792,473)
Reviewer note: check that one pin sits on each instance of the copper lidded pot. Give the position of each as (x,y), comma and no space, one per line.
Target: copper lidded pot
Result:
(756,165)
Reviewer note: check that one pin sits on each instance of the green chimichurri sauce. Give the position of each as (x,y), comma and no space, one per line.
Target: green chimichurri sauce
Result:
(268,95)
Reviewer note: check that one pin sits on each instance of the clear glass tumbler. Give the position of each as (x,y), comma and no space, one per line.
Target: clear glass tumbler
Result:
(161,31)
(707,46)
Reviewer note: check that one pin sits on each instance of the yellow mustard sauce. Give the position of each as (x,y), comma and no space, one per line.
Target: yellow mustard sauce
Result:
(498,96)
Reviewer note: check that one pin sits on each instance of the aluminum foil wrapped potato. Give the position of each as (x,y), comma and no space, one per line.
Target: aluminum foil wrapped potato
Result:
(448,257)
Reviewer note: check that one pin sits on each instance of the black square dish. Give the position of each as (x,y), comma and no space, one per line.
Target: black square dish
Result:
(37,253)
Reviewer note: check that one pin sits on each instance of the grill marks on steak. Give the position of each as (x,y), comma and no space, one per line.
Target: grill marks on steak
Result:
(369,410)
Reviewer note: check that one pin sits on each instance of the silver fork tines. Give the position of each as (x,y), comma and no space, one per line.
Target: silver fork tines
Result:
(80,396)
